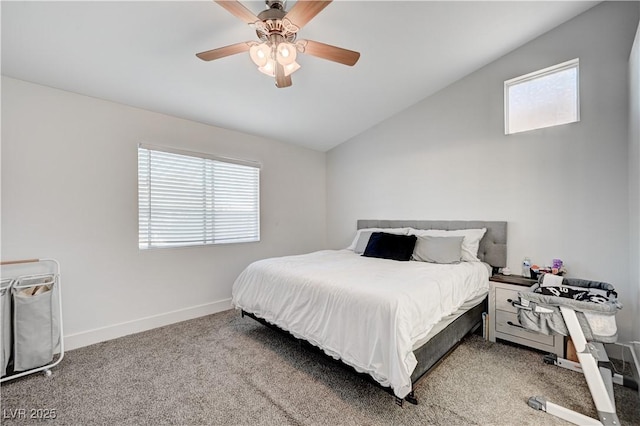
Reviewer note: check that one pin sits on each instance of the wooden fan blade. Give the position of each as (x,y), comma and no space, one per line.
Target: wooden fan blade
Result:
(304,11)
(331,53)
(281,79)
(221,52)
(237,9)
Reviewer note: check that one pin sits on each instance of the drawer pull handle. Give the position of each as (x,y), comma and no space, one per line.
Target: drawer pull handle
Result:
(517,304)
(516,325)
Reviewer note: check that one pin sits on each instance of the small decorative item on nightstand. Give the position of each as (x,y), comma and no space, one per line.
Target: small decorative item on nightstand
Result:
(556,266)
(526,267)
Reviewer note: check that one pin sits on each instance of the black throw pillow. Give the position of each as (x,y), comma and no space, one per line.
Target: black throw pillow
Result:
(390,246)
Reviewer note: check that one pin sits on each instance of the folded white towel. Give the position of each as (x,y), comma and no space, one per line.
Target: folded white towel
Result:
(550,280)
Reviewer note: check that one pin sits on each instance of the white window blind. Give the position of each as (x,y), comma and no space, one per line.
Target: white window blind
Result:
(187,199)
(545,98)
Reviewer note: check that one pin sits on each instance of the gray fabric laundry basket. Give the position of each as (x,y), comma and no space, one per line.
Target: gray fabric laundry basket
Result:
(5,324)
(33,325)
(597,320)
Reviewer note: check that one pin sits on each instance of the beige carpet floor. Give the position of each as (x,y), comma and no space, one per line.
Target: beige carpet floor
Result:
(224,369)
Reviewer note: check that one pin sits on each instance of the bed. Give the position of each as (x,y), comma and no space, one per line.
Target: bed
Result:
(390,320)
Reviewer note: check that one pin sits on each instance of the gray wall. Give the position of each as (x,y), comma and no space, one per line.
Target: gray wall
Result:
(634,177)
(563,190)
(69,192)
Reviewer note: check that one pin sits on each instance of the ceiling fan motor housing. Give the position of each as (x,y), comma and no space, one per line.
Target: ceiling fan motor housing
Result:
(275,4)
(273,22)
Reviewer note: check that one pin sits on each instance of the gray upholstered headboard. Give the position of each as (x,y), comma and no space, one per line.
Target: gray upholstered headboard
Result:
(493,246)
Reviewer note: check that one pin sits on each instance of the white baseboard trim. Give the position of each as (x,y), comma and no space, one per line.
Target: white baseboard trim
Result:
(89,337)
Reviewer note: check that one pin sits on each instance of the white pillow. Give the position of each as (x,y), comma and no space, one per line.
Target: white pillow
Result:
(470,243)
(362,237)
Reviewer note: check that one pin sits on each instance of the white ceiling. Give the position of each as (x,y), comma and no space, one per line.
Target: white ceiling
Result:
(143,54)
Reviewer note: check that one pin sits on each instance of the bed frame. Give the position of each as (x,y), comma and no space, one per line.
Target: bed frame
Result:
(492,250)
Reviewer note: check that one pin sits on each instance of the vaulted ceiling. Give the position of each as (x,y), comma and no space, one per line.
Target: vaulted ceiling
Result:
(143,54)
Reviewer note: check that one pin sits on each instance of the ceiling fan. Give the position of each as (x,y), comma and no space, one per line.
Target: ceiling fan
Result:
(275,54)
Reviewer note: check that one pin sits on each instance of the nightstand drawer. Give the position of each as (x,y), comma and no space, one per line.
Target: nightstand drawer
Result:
(507,322)
(503,318)
(504,296)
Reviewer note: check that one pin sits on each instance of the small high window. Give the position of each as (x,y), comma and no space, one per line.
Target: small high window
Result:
(543,98)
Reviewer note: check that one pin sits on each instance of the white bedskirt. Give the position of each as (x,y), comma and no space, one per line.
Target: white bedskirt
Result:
(368,312)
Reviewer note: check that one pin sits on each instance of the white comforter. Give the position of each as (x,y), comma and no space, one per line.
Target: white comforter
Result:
(366,311)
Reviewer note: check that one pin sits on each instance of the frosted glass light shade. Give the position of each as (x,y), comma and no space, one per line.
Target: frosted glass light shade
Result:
(286,53)
(291,68)
(260,54)
(269,68)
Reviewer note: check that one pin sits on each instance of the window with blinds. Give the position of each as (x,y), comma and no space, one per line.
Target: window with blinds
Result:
(189,199)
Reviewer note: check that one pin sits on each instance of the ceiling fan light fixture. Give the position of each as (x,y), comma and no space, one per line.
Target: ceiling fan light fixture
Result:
(276,51)
(260,54)
(291,68)
(269,68)
(286,53)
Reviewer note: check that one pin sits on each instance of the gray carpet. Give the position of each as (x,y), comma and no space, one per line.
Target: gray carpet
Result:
(224,369)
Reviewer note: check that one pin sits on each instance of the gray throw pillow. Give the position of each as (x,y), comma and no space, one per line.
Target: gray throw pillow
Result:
(438,249)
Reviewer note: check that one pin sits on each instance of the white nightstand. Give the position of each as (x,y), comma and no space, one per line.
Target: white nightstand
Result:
(503,318)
